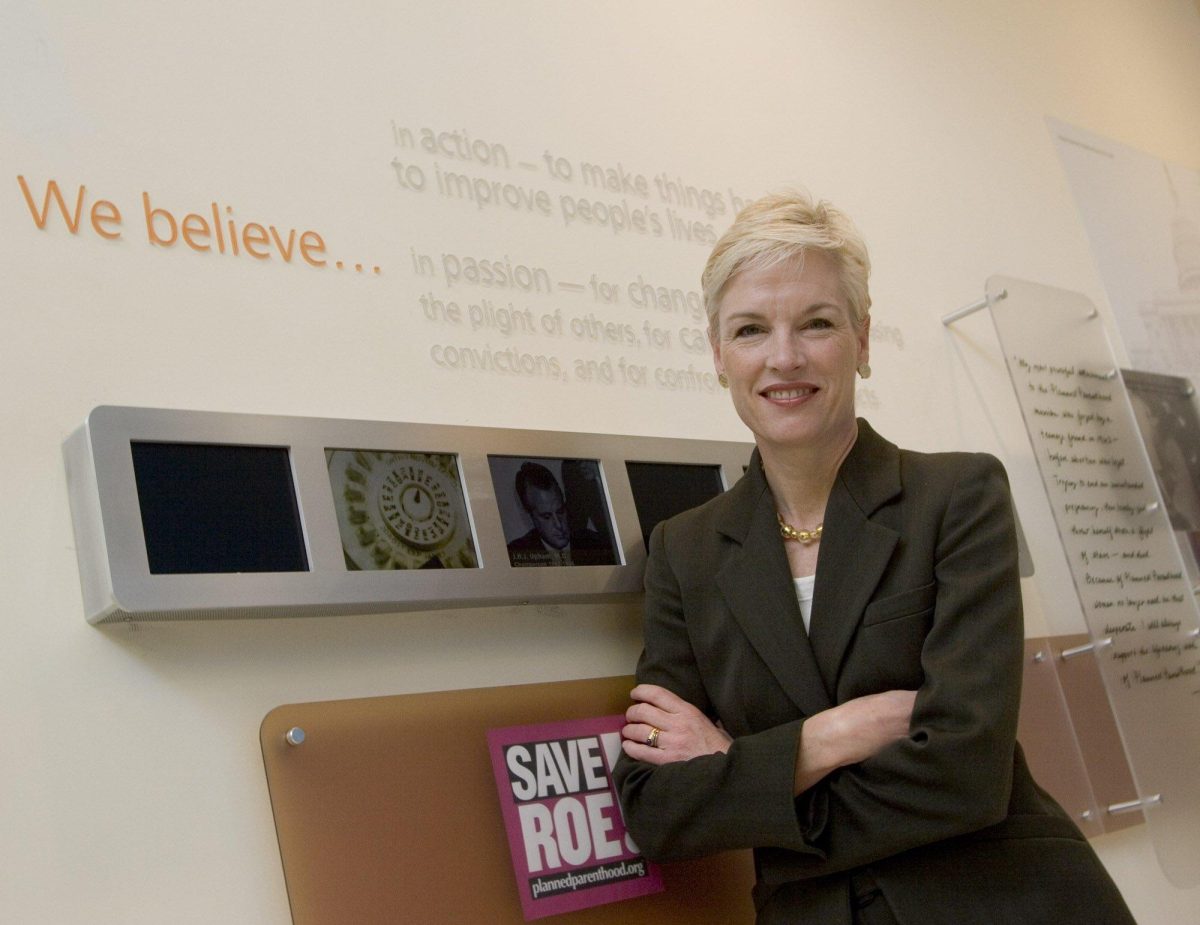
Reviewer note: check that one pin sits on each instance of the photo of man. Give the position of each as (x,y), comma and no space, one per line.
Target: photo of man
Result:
(545,525)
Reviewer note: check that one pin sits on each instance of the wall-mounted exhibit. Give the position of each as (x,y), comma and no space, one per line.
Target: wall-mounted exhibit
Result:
(190,515)
(1118,537)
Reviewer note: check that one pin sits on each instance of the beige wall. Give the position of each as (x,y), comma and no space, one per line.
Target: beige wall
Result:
(132,782)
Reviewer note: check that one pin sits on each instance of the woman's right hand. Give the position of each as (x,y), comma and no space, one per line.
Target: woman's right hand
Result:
(851,732)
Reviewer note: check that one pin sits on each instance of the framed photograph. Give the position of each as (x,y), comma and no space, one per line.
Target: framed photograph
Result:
(554,511)
(400,510)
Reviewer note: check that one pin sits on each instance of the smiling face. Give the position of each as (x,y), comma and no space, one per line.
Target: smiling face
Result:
(786,339)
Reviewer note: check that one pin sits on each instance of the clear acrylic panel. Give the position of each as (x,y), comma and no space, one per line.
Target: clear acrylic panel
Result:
(1131,581)
(1047,735)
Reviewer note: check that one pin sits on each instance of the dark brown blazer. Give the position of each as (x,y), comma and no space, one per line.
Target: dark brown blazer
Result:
(916,588)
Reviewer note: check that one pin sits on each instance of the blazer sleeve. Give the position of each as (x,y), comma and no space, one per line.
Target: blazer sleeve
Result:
(741,799)
(953,773)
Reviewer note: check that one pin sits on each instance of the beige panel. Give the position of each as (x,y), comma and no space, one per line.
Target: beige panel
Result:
(388,812)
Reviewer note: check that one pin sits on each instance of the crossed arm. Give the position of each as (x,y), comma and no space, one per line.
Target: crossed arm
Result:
(843,735)
(869,777)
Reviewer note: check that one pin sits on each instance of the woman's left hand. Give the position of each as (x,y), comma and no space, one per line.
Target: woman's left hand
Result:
(683,731)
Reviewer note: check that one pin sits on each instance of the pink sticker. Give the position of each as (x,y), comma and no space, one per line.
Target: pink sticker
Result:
(566,833)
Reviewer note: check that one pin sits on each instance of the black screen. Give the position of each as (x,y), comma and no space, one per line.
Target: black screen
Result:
(218,508)
(662,490)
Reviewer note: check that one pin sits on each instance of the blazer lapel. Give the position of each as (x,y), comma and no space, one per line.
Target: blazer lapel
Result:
(756,583)
(855,550)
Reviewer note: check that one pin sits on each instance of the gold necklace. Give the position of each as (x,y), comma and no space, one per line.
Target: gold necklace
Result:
(803,537)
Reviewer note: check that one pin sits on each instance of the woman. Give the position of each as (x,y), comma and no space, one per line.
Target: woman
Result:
(832,661)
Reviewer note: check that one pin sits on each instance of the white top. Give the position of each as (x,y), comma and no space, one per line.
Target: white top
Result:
(804,595)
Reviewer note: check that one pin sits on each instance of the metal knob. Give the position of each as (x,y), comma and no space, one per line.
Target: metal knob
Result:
(294,736)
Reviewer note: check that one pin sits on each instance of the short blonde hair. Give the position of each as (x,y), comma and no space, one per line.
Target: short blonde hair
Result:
(780,227)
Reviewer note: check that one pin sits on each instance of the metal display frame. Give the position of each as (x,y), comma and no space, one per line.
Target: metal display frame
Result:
(110,542)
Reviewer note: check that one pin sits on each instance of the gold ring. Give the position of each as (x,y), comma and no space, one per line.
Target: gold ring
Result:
(652,739)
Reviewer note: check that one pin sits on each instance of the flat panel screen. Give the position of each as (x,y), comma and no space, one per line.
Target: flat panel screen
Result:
(1165,410)
(399,510)
(662,490)
(216,508)
(554,511)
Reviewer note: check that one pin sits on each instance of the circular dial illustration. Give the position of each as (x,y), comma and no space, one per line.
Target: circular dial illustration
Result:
(400,510)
